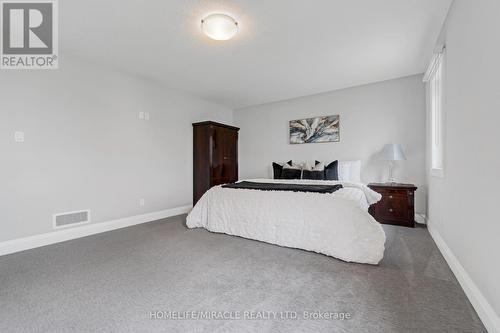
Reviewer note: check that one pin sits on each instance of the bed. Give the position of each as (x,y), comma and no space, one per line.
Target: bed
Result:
(335,224)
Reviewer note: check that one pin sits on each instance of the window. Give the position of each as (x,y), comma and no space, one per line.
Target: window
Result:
(434,77)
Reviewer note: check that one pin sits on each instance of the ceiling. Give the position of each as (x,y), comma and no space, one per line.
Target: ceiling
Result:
(284,49)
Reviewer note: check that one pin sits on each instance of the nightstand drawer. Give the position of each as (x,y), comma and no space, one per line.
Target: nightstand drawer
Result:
(393,207)
(399,192)
(397,195)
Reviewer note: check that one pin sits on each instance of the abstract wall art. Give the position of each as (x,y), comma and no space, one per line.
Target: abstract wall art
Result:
(314,130)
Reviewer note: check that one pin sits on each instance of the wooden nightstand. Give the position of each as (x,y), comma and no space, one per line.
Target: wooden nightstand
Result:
(397,205)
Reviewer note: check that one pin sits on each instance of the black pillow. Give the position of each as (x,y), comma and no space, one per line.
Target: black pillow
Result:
(291,173)
(331,170)
(313,174)
(278,169)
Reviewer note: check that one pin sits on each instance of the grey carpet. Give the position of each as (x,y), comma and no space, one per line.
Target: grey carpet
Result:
(110,282)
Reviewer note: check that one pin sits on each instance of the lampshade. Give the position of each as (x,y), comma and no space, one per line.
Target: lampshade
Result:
(393,152)
(219,26)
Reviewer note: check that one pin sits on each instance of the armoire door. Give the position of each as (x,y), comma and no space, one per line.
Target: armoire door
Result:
(217,172)
(230,168)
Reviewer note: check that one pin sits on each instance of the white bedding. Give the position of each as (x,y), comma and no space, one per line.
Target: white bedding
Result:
(336,224)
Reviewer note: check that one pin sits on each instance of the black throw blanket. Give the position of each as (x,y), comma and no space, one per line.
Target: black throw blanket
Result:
(285,187)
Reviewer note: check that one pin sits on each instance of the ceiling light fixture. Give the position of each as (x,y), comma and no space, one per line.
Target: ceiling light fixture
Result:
(219,26)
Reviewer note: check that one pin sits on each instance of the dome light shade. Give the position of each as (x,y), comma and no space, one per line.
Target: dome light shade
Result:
(219,26)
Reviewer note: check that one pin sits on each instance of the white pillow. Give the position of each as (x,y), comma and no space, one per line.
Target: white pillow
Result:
(302,165)
(293,166)
(343,171)
(350,171)
(319,167)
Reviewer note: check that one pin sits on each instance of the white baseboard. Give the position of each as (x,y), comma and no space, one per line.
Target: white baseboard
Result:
(53,237)
(420,218)
(483,308)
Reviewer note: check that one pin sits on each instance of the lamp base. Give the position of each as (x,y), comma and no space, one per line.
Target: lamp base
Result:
(391,178)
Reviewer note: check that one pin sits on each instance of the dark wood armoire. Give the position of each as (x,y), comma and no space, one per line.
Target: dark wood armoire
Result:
(215,156)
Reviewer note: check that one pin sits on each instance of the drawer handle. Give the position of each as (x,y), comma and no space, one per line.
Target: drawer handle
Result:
(390,197)
(391,210)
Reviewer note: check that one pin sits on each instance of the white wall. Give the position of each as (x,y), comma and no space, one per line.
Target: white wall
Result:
(463,206)
(86,148)
(370,116)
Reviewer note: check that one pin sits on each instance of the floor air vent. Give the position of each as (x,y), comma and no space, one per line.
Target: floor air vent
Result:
(71,218)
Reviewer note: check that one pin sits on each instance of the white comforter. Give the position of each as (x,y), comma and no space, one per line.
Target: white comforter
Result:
(336,224)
